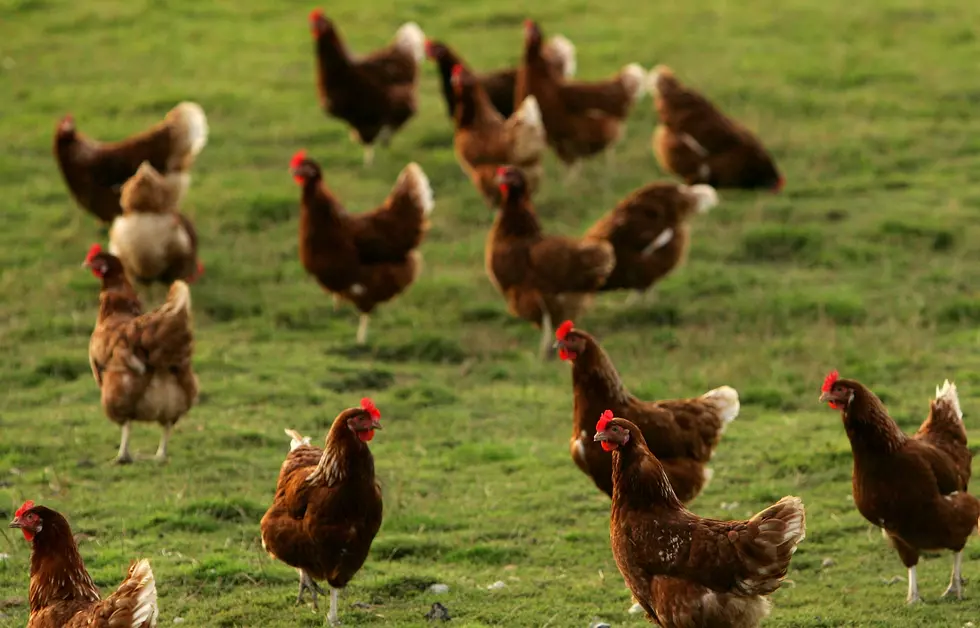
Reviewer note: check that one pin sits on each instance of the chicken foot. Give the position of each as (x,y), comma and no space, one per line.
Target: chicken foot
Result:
(362,329)
(124,457)
(913,597)
(306,583)
(956,579)
(161,455)
(546,348)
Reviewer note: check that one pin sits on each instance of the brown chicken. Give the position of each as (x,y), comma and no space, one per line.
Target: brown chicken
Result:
(700,144)
(141,362)
(366,258)
(484,141)
(581,119)
(62,593)
(95,171)
(682,433)
(327,508)
(558,51)
(543,278)
(913,487)
(684,570)
(375,94)
(154,241)
(650,233)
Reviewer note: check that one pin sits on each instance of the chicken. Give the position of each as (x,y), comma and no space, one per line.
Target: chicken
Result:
(700,144)
(62,592)
(683,433)
(95,171)
(484,141)
(580,120)
(913,487)
(141,362)
(374,94)
(327,509)
(154,241)
(684,570)
(558,51)
(650,233)
(542,278)
(366,258)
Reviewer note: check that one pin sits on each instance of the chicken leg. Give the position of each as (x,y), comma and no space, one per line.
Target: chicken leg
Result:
(545,350)
(913,597)
(571,174)
(332,614)
(956,579)
(362,328)
(164,439)
(124,457)
(306,583)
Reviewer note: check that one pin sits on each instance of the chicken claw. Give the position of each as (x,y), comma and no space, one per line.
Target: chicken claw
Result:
(124,457)
(956,581)
(306,583)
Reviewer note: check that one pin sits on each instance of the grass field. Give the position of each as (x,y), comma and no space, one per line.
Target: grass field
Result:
(867,263)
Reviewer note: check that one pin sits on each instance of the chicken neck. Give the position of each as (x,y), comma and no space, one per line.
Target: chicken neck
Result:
(639,480)
(57,571)
(596,382)
(344,456)
(868,426)
(517,218)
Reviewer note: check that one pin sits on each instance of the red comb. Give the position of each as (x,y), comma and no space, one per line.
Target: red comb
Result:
(316,14)
(457,70)
(502,171)
(604,420)
(563,330)
(367,404)
(528,23)
(297,159)
(831,379)
(27,506)
(92,252)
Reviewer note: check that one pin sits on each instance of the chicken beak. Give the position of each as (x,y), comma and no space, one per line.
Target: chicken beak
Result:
(376,425)
(825,397)
(600,437)
(16,523)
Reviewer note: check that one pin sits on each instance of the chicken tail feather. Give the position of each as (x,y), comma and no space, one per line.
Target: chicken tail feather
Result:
(296,439)
(705,196)
(528,132)
(634,79)
(145,610)
(767,542)
(415,184)
(178,298)
(411,39)
(948,399)
(564,52)
(191,133)
(725,401)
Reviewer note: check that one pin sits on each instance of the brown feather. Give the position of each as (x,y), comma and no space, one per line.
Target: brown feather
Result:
(915,488)
(682,433)
(653,535)
(328,507)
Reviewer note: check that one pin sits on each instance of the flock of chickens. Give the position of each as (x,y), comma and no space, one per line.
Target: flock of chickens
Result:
(684,571)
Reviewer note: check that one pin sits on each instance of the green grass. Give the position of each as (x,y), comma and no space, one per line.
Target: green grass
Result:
(866,263)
